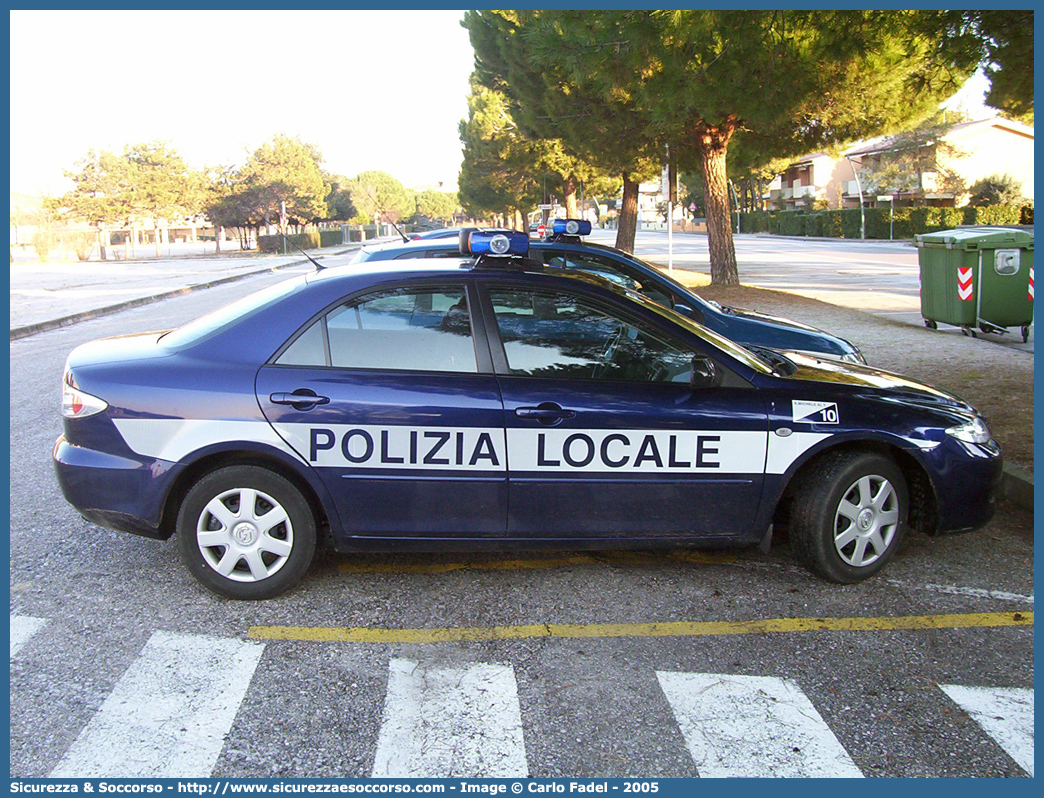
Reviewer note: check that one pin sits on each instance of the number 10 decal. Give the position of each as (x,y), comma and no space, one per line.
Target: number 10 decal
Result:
(815,412)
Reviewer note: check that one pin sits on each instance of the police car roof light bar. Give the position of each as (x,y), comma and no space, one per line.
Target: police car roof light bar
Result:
(571,227)
(496,243)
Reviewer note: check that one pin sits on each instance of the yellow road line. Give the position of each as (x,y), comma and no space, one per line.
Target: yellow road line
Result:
(667,629)
(605,558)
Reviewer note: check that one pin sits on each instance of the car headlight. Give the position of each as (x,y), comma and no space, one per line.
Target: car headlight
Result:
(972,431)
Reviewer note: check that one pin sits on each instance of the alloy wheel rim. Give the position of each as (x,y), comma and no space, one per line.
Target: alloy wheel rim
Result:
(866,520)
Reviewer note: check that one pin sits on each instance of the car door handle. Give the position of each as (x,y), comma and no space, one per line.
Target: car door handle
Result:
(301,399)
(546,411)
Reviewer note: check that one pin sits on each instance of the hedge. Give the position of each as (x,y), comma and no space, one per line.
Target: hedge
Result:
(907,222)
(330,238)
(303,240)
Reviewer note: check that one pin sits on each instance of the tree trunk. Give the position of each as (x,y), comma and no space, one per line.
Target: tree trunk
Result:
(628,216)
(713,144)
(218,232)
(569,189)
(156,238)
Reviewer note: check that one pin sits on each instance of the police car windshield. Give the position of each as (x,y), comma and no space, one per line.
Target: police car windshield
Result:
(730,348)
(205,326)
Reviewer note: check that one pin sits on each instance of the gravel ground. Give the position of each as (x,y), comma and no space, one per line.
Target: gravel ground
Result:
(996,380)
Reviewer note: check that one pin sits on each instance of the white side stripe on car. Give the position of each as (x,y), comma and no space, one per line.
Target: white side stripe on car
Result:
(172,439)
(397,447)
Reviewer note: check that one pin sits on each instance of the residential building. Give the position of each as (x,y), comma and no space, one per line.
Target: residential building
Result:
(972,151)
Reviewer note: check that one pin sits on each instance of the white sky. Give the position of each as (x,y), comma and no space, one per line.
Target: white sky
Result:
(372,89)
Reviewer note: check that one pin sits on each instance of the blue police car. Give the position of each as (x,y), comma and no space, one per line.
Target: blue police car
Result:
(563,248)
(492,403)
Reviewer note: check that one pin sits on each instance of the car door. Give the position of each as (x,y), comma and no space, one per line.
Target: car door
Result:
(391,397)
(606,437)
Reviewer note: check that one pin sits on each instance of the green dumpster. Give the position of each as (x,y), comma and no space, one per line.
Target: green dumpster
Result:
(977,277)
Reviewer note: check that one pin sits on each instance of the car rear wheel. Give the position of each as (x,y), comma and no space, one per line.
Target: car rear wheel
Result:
(849,516)
(246,533)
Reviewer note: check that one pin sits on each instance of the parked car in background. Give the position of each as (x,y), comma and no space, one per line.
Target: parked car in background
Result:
(439,233)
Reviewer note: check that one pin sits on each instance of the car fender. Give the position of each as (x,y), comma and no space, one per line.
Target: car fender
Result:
(776,485)
(201,461)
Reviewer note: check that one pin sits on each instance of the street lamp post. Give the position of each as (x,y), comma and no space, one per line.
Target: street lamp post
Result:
(282,222)
(859,188)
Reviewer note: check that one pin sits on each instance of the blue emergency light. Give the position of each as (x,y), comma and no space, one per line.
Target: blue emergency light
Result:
(498,243)
(571,227)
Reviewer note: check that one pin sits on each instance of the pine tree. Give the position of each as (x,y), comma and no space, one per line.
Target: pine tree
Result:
(787,81)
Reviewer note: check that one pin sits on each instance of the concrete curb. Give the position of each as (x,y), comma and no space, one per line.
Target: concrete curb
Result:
(1017,486)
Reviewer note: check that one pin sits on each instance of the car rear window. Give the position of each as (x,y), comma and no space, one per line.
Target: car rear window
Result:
(222,318)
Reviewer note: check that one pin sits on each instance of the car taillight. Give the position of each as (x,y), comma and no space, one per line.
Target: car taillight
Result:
(76,403)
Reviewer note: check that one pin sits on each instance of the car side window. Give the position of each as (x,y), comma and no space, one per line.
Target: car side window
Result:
(400,330)
(611,270)
(560,335)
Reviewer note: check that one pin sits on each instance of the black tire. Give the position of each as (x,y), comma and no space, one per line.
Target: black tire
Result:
(840,539)
(930,324)
(261,561)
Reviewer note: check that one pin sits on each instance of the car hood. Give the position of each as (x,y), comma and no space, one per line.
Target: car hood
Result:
(851,375)
(765,317)
(751,328)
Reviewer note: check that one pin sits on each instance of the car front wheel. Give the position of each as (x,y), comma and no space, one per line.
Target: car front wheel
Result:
(246,533)
(849,516)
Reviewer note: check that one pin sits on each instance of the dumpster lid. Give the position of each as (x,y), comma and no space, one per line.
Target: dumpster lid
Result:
(977,238)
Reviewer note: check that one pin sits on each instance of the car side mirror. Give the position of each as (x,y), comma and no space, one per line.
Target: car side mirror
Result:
(705,373)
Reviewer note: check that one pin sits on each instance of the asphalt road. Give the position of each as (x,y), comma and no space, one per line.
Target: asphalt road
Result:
(553,664)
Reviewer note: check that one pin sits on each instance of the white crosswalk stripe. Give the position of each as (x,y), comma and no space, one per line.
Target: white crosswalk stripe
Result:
(1006,714)
(451,722)
(742,726)
(23,627)
(168,715)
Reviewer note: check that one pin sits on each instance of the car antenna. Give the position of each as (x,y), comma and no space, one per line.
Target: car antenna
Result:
(318,266)
(405,238)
